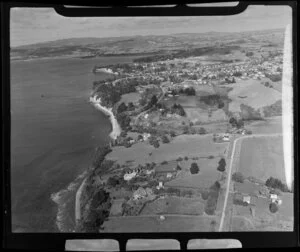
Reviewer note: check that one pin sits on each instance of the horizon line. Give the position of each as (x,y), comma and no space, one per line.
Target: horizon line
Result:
(154,35)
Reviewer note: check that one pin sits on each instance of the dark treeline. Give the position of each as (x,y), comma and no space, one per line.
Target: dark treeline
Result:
(187,53)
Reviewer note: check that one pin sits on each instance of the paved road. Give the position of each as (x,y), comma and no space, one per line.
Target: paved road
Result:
(230,170)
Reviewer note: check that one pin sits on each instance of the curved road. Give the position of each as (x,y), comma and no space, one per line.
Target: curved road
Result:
(230,170)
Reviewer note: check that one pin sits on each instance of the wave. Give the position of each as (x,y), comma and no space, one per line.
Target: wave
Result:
(116,129)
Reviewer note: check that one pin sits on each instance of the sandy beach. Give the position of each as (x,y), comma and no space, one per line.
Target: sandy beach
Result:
(116,129)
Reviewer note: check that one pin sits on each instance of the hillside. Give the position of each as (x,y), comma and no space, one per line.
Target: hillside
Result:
(93,47)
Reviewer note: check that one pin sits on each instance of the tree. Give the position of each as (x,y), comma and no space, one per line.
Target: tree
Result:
(130,106)
(233,121)
(153,100)
(238,177)
(178,168)
(165,139)
(156,144)
(202,131)
(186,158)
(273,208)
(172,133)
(221,167)
(112,181)
(240,123)
(204,195)
(222,161)
(194,168)
(276,184)
(140,137)
(179,159)
(121,108)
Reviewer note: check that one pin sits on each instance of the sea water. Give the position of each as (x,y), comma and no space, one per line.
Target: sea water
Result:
(54,133)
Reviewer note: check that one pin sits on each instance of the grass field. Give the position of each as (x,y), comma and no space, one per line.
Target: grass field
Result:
(262,157)
(257,95)
(130,97)
(267,126)
(180,146)
(174,205)
(201,180)
(144,224)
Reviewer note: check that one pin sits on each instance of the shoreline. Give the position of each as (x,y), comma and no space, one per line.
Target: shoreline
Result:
(116,131)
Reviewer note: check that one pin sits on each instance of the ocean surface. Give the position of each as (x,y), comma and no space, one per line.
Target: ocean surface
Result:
(54,133)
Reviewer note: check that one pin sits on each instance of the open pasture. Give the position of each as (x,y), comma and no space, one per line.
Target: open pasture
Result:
(262,157)
(174,205)
(251,93)
(145,224)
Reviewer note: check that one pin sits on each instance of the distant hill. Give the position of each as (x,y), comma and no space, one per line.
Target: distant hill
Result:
(92,46)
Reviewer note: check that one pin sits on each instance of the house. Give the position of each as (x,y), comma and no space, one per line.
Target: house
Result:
(247,199)
(169,175)
(160,185)
(139,193)
(146,136)
(226,137)
(273,197)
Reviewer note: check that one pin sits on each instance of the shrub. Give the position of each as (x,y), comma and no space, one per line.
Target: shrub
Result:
(173,191)
(273,208)
(179,159)
(221,168)
(202,131)
(112,181)
(172,133)
(238,177)
(164,162)
(194,168)
(165,139)
(204,195)
(156,144)
(210,157)
(186,158)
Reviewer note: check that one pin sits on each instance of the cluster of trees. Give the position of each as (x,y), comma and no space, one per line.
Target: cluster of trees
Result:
(154,141)
(237,74)
(249,54)
(237,123)
(249,113)
(222,165)
(123,120)
(98,212)
(238,177)
(274,109)
(212,200)
(177,109)
(165,139)
(190,91)
(274,77)
(214,100)
(276,184)
(267,84)
(194,169)
(100,154)
(123,107)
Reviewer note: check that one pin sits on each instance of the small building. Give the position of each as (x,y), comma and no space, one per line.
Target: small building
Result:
(146,136)
(160,185)
(273,197)
(247,199)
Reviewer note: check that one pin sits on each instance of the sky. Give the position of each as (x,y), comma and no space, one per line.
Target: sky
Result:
(34,25)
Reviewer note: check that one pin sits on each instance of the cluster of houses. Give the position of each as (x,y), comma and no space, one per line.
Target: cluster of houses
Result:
(248,192)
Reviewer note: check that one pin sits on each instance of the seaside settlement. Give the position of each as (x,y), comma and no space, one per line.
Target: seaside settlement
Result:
(200,145)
